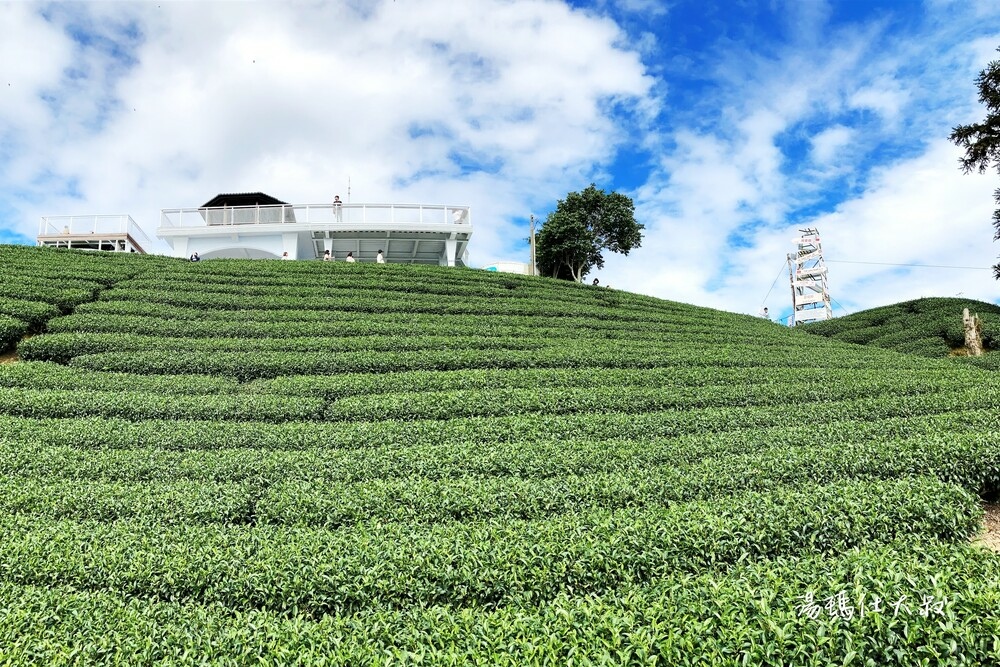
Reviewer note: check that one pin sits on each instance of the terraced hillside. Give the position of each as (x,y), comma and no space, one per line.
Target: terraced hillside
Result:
(931,327)
(253,462)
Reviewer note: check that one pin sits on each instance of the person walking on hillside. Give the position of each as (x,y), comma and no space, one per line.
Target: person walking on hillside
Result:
(379,258)
(350,257)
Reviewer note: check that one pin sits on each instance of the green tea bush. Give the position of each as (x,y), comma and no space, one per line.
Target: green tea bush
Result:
(266,364)
(41,375)
(11,331)
(133,405)
(33,313)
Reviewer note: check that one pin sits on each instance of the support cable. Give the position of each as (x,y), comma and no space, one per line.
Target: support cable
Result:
(780,271)
(841,307)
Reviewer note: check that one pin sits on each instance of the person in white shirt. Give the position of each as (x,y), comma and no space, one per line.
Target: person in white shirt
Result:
(327,257)
(338,208)
(350,257)
(284,255)
(379,258)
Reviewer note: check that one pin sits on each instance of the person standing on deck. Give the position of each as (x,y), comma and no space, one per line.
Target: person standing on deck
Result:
(338,209)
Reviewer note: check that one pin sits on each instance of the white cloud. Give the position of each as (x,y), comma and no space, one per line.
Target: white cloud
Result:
(646,7)
(827,145)
(31,62)
(921,211)
(884,98)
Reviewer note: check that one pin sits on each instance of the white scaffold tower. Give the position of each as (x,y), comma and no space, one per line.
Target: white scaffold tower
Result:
(807,274)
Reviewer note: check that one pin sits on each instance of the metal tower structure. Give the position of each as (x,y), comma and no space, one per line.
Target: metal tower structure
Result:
(807,274)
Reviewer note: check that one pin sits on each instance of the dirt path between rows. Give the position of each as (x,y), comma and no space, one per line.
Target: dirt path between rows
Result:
(990,537)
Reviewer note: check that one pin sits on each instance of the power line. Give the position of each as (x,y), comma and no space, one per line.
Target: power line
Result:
(780,271)
(922,266)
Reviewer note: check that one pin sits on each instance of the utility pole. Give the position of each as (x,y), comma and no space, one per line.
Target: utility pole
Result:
(531,269)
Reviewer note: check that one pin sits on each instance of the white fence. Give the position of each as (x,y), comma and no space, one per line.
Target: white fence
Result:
(315,213)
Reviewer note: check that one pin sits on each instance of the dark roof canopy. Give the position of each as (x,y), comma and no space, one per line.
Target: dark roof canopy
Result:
(243,199)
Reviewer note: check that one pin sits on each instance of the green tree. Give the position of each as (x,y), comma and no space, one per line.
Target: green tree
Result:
(981,141)
(572,239)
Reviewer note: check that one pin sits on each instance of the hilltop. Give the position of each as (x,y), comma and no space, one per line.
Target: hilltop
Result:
(235,461)
(930,327)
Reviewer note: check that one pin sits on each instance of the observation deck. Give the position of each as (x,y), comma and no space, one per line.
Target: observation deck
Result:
(115,233)
(406,233)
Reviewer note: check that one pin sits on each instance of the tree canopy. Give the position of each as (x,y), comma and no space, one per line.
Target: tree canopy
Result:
(981,141)
(572,239)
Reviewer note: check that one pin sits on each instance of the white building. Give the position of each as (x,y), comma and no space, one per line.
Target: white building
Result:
(256,225)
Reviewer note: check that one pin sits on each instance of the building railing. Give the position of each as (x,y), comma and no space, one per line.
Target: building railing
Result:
(314,213)
(97,225)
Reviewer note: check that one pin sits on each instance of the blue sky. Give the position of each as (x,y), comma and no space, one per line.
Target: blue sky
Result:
(731,124)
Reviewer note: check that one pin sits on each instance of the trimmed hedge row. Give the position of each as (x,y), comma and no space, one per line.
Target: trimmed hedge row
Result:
(44,375)
(63,298)
(132,405)
(305,287)
(444,321)
(254,365)
(32,313)
(91,433)
(331,504)
(53,274)
(11,331)
(379,303)
(751,614)
(352,384)
(333,325)
(524,479)
(161,503)
(496,402)
(63,448)
(371,565)
(32,280)
(62,347)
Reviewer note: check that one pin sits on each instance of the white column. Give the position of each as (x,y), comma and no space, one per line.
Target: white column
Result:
(290,244)
(450,248)
(180,246)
